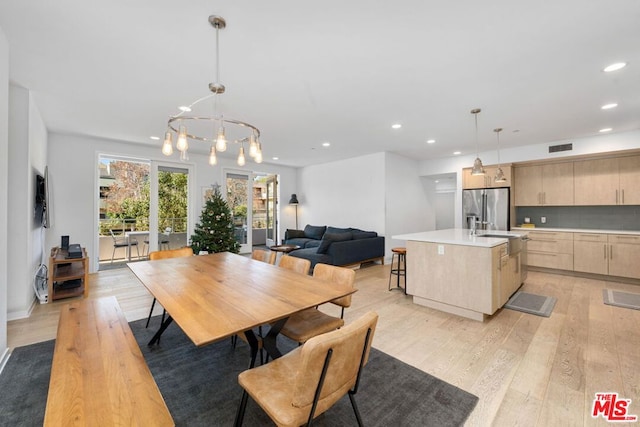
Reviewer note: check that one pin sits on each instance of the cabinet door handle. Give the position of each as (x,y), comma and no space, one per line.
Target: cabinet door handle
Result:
(544,198)
(605,251)
(622,191)
(616,197)
(610,251)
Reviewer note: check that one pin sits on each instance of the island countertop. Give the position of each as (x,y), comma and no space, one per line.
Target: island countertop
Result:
(460,236)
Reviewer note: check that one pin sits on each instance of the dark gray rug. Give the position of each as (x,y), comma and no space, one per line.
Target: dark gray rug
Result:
(530,303)
(201,389)
(621,299)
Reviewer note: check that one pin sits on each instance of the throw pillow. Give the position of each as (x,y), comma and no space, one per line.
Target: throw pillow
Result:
(334,230)
(314,231)
(294,234)
(329,238)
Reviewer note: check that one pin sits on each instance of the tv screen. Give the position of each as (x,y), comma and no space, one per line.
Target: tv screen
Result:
(41,214)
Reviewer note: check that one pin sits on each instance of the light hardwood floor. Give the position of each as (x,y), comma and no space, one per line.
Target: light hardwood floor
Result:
(526,370)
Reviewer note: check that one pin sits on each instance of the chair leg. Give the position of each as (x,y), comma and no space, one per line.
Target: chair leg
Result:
(241,409)
(352,398)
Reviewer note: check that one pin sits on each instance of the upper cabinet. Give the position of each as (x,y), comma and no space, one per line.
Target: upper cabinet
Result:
(487,180)
(611,181)
(544,185)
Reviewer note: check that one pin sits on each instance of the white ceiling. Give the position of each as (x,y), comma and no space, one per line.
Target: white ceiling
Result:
(336,71)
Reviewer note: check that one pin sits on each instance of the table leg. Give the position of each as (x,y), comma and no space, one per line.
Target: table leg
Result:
(253,344)
(269,340)
(164,326)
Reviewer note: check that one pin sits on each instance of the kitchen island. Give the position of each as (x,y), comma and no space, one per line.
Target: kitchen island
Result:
(468,275)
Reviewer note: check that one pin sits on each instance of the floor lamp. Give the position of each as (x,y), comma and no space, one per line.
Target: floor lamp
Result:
(294,201)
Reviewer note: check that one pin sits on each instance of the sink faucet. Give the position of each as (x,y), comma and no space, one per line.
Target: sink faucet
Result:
(473,225)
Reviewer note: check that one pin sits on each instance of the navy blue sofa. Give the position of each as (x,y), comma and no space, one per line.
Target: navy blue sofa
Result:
(336,246)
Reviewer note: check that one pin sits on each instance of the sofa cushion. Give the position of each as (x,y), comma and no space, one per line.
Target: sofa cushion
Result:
(334,230)
(293,234)
(314,231)
(329,238)
(357,235)
(303,242)
(312,255)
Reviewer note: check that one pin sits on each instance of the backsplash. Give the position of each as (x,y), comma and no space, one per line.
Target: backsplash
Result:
(587,217)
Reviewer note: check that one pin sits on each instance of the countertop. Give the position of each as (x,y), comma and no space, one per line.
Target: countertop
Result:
(461,236)
(577,230)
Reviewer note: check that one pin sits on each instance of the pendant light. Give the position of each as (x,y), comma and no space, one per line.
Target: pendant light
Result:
(477,169)
(499,174)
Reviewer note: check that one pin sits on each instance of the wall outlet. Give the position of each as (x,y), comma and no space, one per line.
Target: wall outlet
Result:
(440,249)
(543,219)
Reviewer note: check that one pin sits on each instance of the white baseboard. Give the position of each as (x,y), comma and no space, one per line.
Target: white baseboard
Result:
(22,314)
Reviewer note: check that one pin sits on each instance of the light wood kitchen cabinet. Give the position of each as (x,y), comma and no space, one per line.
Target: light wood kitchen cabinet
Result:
(624,255)
(510,276)
(544,185)
(590,253)
(487,180)
(549,249)
(612,181)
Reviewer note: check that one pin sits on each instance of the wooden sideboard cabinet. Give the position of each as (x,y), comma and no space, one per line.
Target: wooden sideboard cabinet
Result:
(68,277)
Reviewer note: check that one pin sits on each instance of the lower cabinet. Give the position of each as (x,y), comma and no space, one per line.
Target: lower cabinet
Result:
(510,276)
(624,255)
(590,253)
(550,249)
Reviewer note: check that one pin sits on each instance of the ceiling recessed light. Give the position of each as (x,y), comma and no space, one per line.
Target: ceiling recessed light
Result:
(605,130)
(275,158)
(326,144)
(396,126)
(184,108)
(436,181)
(455,153)
(614,67)
(155,138)
(609,106)
(431,141)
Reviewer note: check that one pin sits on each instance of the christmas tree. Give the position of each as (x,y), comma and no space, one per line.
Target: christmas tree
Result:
(214,232)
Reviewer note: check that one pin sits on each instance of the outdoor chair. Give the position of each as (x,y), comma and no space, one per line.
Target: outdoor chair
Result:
(123,242)
(170,253)
(306,382)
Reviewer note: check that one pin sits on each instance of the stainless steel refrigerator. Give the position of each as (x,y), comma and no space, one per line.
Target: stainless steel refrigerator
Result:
(489,207)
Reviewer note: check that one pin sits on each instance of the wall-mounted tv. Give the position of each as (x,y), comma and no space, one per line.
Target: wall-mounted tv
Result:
(41,210)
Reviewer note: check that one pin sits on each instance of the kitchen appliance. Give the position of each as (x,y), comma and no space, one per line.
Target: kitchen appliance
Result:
(487,207)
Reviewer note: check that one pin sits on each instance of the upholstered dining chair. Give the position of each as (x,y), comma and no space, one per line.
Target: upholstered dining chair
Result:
(309,380)
(169,253)
(123,242)
(311,322)
(299,265)
(265,256)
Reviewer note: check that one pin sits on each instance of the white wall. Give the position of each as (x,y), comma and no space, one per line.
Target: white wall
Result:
(407,205)
(4,191)
(27,156)
(346,193)
(74,187)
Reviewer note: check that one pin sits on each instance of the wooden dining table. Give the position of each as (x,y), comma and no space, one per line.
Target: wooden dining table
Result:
(216,296)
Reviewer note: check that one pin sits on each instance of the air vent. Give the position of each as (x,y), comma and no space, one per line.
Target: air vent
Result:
(561,147)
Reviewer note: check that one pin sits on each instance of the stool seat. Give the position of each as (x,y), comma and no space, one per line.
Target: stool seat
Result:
(401,269)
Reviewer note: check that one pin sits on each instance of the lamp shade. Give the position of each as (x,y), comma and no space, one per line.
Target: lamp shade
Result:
(293,200)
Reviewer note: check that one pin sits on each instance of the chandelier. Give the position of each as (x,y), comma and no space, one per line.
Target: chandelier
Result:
(216,128)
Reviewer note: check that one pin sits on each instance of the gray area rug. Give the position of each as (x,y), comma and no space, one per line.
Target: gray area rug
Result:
(621,299)
(200,386)
(530,303)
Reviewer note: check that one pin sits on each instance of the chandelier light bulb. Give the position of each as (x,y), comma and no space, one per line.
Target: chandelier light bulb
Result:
(167,146)
(213,159)
(253,146)
(184,156)
(221,140)
(182,144)
(241,158)
(258,158)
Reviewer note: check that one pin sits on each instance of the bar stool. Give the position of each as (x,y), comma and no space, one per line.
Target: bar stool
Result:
(401,269)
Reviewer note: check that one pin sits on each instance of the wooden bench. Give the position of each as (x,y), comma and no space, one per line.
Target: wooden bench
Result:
(98,375)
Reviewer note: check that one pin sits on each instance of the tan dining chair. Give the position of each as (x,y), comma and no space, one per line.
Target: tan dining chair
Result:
(169,253)
(265,256)
(309,380)
(311,322)
(299,265)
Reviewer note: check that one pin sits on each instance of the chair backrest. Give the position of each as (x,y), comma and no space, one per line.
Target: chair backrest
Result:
(265,256)
(116,239)
(341,275)
(350,347)
(299,265)
(171,253)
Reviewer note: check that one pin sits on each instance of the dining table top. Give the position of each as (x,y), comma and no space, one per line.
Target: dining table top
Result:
(215,296)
